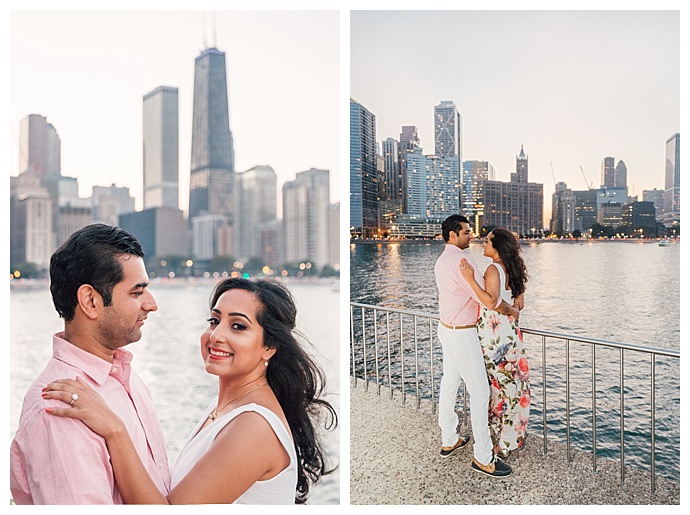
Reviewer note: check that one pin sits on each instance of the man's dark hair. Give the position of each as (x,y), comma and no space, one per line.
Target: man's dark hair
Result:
(452,223)
(89,256)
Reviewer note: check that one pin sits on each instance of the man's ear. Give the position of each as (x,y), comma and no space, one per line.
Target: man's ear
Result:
(89,301)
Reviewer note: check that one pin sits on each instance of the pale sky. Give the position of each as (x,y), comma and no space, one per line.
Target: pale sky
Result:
(87,71)
(571,86)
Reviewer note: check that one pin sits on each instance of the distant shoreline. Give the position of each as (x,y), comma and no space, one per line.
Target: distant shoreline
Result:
(529,241)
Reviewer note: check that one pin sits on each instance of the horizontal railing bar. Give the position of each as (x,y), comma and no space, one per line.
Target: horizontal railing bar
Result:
(547,334)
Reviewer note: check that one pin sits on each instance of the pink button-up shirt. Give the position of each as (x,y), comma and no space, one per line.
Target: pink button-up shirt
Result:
(56,460)
(457,302)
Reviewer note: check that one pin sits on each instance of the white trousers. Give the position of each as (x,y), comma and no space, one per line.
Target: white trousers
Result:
(463,361)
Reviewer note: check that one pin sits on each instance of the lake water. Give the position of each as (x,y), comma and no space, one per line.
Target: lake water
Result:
(625,292)
(168,357)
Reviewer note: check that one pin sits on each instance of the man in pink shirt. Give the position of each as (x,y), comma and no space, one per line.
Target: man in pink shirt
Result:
(462,354)
(99,286)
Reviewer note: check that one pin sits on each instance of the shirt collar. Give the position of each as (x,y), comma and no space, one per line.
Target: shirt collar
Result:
(96,368)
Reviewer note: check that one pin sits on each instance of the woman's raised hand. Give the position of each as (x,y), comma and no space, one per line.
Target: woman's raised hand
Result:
(83,403)
(466,269)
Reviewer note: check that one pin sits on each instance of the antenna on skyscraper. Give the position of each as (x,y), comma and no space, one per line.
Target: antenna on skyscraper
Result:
(214,29)
(203,29)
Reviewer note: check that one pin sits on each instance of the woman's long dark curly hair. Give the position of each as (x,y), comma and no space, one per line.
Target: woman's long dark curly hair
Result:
(295,378)
(508,249)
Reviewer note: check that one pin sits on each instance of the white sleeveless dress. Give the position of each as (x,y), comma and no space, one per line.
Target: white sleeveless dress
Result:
(508,371)
(280,489)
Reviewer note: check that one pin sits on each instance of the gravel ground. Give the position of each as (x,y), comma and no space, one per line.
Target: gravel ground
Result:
(394,460)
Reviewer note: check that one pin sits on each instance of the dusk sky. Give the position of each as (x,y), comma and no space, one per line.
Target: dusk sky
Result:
(87,71)
(572,87)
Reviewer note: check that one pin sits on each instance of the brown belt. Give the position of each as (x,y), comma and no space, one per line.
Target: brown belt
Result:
(457,326)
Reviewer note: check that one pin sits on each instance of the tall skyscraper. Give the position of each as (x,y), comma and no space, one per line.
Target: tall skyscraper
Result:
(161,148)
(474,174)
(447,130)
(620,175)
(363,172)
(39,147)
(306,218)
(409,141)
(607,172)
(391,188)
(433,185)
(672,182)
(256,200)
(213,158)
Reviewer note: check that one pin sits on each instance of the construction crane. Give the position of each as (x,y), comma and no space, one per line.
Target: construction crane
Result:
(552,173)
(589,184)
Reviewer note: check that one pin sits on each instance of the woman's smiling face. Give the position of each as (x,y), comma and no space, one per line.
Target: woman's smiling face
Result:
(233,342)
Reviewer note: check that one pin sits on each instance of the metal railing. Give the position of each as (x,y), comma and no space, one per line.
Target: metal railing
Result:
(398,362)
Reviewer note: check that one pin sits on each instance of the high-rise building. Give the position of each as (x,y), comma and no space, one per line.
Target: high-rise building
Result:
(391,187)
(306,218)
(363,172)
(610,202)
(474,174)
(516,205)
(672,182)
(447,130)
(563,210)
(109,202)
(585,209)
(39,147)
(212,157)
(409,141)
(161,148)
(640,217)
(607,172)
(620,176)
(32,239)
(521,167)
(256,199)
(657,198)
(433,185)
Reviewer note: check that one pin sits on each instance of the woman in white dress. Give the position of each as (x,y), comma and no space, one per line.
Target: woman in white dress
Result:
(505,358)
(256,444)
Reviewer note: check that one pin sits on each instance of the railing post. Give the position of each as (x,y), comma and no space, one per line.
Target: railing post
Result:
(622,382)
(543,390)
(388,334)
(364,351)
(431,361)
(376,351)
(567,400)
(653,401)
(352,346)
(402,360)
(416,363)
(594,408)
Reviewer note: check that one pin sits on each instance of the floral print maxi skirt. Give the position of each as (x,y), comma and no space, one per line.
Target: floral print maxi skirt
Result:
(508,370)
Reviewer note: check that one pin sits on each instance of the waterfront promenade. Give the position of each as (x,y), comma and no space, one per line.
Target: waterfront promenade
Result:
(394,460)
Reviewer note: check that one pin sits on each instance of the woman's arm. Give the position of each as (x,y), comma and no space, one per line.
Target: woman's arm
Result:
(245,451)
(490,295)
(248,440)
(133,481)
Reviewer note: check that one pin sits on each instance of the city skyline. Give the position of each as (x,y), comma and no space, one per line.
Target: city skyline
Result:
(88,71)
(571,87)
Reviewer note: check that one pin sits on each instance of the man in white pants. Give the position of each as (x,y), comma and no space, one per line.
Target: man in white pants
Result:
(462,354)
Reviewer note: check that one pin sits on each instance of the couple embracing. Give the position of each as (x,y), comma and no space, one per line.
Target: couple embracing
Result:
(482,345)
